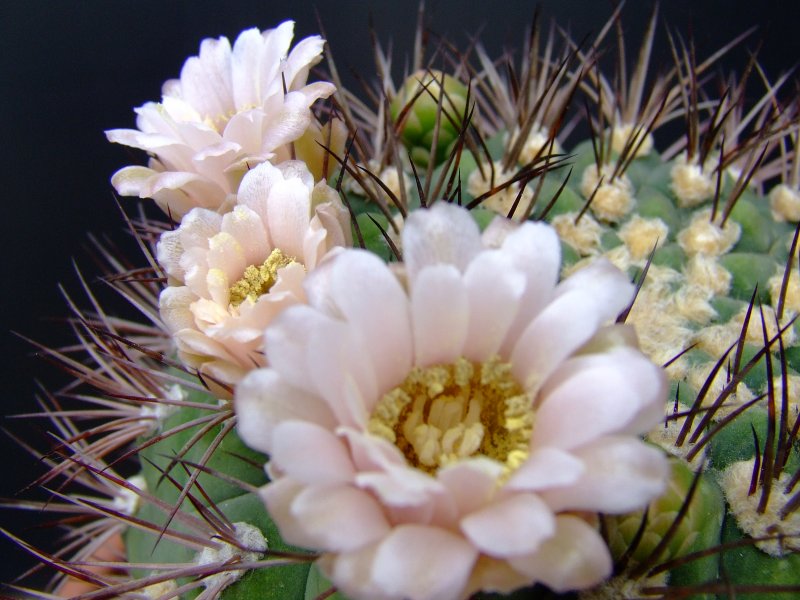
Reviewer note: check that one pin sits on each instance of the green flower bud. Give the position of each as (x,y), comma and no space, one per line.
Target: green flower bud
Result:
(701,521)
(415,109)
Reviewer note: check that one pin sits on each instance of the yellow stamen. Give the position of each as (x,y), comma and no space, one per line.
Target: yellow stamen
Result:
(445,413)
(257,280)
(219,121)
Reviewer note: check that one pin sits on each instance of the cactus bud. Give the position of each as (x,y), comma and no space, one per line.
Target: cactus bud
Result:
(704,515)
(414,110)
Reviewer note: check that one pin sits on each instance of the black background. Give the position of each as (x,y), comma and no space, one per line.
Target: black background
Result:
(69,70)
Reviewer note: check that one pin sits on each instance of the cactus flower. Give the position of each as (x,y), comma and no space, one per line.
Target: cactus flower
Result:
(231,274)
(231,109)
(431,445)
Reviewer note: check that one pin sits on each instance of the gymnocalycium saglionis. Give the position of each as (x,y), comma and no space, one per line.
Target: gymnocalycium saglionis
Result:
(267,183)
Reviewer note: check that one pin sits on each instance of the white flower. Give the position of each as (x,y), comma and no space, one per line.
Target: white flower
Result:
(231,274)
(230,110)
(437,432)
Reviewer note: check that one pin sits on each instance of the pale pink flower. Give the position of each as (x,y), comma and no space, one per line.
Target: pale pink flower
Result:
(445,427)
(231,109)
(231,274)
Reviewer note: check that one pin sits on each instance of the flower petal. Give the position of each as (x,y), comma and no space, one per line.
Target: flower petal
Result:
(286,344)
(582,303)
(339,517)
(561,328)
(534,250)
(494,289)
(601,280)
(370,452)
(278,496)
(206,79)
(310,454)
(514,525)
(339,373)
(248,229)
(622,474)
(546,467)
(599,394)
(423,563)
(287,122)
(400,486)
(288,215)
(439,314)
(495,575)
(351,572)
(471,483)
(364,291)
(264,399)
(226,254)
(575,557)
(173,304)
(306,53)
(441,234)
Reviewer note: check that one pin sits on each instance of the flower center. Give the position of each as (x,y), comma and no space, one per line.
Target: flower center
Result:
(445,413)
(219,121)
(257,280)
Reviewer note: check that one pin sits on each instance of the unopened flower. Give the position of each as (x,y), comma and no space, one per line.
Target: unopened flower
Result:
(231,274)
(231,109)
(430,101)
(440,428)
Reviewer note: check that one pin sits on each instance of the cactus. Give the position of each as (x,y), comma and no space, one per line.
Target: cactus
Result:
(704,229)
